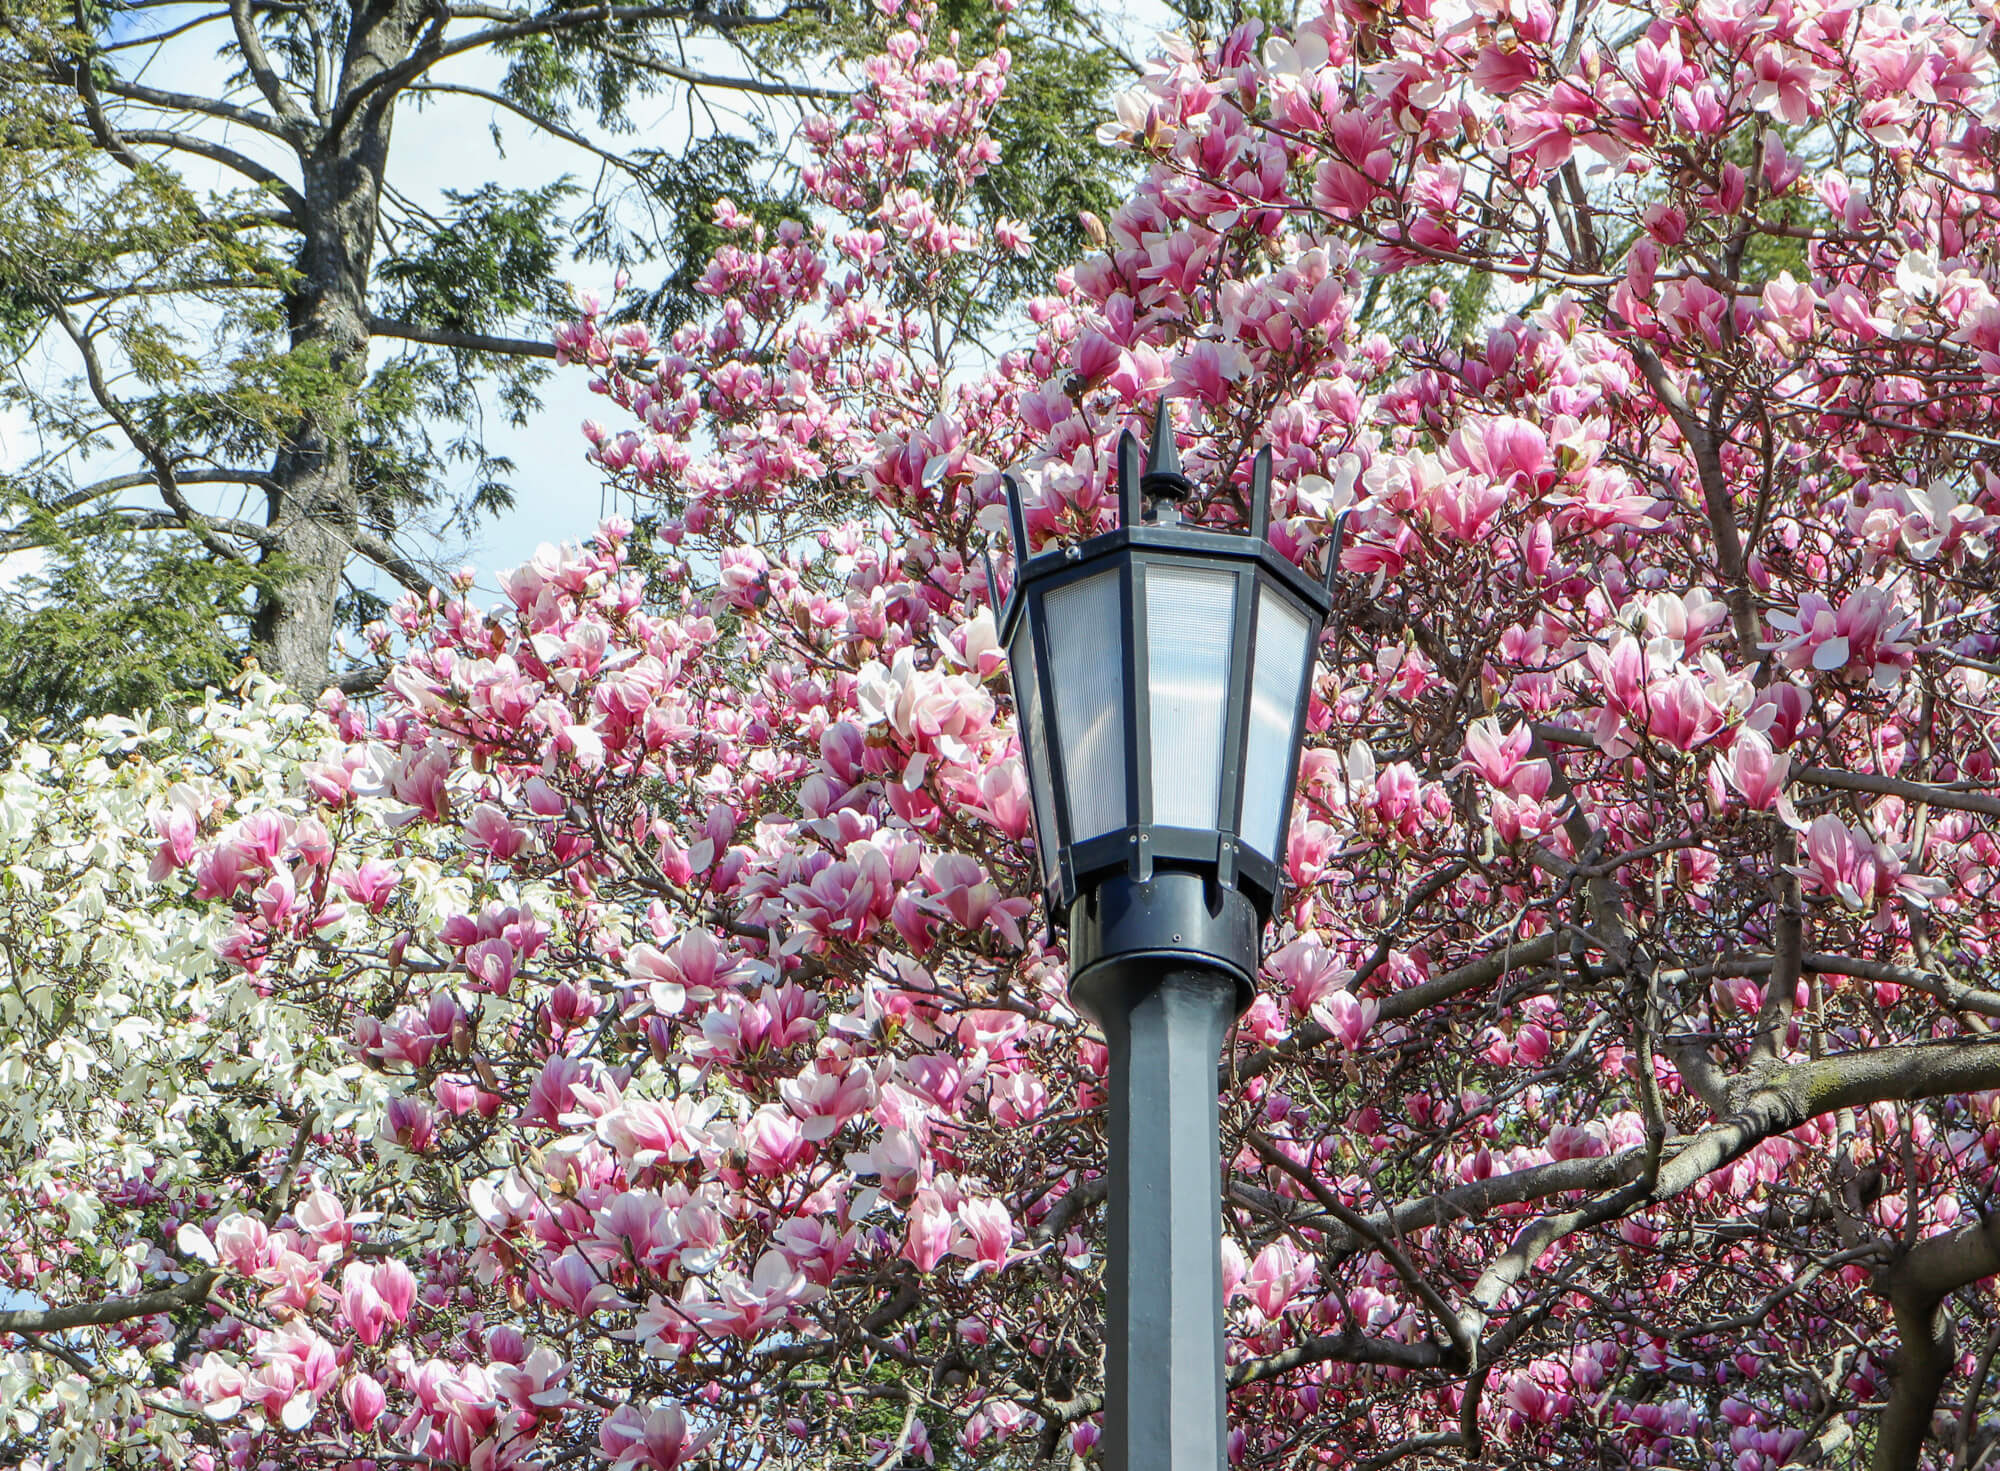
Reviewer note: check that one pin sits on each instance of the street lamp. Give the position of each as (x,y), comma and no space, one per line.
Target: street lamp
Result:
(1160,677)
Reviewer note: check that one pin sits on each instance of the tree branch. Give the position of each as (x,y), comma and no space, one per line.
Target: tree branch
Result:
(1462,1345)
(536,120)
(229,158)
(375,549)
(1715,499)
(425,58)
(1959,798)
(1890,786)
(213,107)
(70,500)
(1398,1005)
(134,519)
(1473,1201)
(1953,993)
(1916,1285)
(1775,1101)
(155,455)
(758,85)
(463,341)
(264,74)
(1338,1348)
(111,1310)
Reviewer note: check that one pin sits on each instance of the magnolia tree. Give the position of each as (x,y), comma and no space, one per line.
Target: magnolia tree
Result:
(637,1040)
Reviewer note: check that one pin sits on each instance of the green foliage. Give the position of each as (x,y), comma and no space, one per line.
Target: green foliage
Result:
(1769,254)
(493,257)
(113,624)
(685,188)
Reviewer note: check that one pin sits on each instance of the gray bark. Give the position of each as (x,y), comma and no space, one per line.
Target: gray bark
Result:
(313,503)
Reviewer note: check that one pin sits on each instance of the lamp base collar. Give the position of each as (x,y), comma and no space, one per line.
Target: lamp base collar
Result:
(1124,933)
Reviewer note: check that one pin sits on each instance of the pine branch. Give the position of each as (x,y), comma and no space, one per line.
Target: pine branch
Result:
(163,466)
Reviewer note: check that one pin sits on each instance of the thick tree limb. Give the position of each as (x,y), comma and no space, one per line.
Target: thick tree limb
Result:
(361,681)
(1476,1200)
(1890,786)
(1338,1348)
(1885,1074)
(1442,1441)
(111,1310)
(213,107)
(1773,1101)
(391,561)
(229,158)
(1399,1005)
(1916,1286)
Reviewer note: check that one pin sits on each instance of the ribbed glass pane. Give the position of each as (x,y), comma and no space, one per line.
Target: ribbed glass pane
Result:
(1190,624)
(1275,678)
(1034,742)
(1086,655)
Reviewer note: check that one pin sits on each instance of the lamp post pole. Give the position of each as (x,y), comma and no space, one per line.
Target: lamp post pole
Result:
(1161,967)
(1162,673)
(1165,1402)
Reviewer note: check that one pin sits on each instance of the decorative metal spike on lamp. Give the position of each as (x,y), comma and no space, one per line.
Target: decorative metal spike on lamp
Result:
(1161,675)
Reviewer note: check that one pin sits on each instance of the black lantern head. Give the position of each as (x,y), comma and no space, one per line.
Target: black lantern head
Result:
(1160,674)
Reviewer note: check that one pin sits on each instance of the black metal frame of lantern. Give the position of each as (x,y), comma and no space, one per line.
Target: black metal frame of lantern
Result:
(1161,676)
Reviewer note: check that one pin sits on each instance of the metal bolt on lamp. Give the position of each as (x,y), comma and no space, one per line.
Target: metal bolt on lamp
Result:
(1160,676)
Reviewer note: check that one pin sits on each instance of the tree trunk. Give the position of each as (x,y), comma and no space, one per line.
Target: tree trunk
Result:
(314,505)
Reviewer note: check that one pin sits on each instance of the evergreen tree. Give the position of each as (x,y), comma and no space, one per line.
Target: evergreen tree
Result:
(319,353)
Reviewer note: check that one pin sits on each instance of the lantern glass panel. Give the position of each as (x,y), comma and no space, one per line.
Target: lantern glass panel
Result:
(1035,741)
(1190,627)
(1085,623)
(1275,680)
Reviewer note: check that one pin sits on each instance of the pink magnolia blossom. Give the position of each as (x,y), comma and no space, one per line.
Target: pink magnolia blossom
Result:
(1277,1275)
(1866,637)
(989,1231)
(1755,770)
(1860,873)
(930,1231)
(655,1439)
(363,1399)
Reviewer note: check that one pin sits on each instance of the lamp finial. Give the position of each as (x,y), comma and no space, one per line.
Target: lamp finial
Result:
(1163,479)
